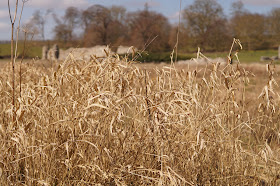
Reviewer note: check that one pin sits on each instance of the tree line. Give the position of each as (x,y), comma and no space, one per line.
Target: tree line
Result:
(204,24)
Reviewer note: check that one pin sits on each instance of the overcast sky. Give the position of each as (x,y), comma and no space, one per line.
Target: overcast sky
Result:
(169,8)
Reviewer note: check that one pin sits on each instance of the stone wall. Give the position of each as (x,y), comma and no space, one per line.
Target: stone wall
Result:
(85,53)
(45,50)
(50,53)
(97,51)
(126,50)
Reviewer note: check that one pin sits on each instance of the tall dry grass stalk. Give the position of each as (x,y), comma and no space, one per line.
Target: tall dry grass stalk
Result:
(12,20)
(109,122)
(14,50)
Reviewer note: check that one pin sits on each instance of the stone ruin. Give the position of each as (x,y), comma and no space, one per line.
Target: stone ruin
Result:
(50,53)
(45,50)
(98,51)
(126,50)
(85,53)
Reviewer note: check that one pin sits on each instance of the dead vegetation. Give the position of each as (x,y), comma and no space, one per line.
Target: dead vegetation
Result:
(111,122)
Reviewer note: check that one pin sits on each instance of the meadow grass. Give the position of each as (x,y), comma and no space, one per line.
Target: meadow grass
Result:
(247,56)
(111,122)
(33,51)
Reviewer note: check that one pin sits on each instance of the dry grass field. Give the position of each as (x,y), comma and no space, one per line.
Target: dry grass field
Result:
(112,122)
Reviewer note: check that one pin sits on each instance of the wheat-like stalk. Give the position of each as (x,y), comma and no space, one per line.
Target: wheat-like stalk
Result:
(109,121)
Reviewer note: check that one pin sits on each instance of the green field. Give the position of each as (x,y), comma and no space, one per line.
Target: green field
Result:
(246,56)
(32,50)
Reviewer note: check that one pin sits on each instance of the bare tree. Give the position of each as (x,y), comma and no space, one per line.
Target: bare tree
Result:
(184,41)
(145,25)
(118,28)
(97,20)
(66,25)
(250,29)
(91,15)
(274,25)
(201,18)
(38,22)
(118,13)
(61,32)
(237,8)
(71,19)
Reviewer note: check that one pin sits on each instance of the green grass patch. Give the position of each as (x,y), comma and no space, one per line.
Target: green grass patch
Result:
(32,51)
(246,56)
(254,56)
(5,50)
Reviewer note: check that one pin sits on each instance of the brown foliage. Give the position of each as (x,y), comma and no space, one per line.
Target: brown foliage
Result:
(250,29)
(274,25)
(146,26)
(104,26)
(206,24)
(66,26)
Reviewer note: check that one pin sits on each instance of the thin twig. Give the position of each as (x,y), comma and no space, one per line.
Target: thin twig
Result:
(178,32)
(18,29)
(12,55)
(22,57)
(146,46)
